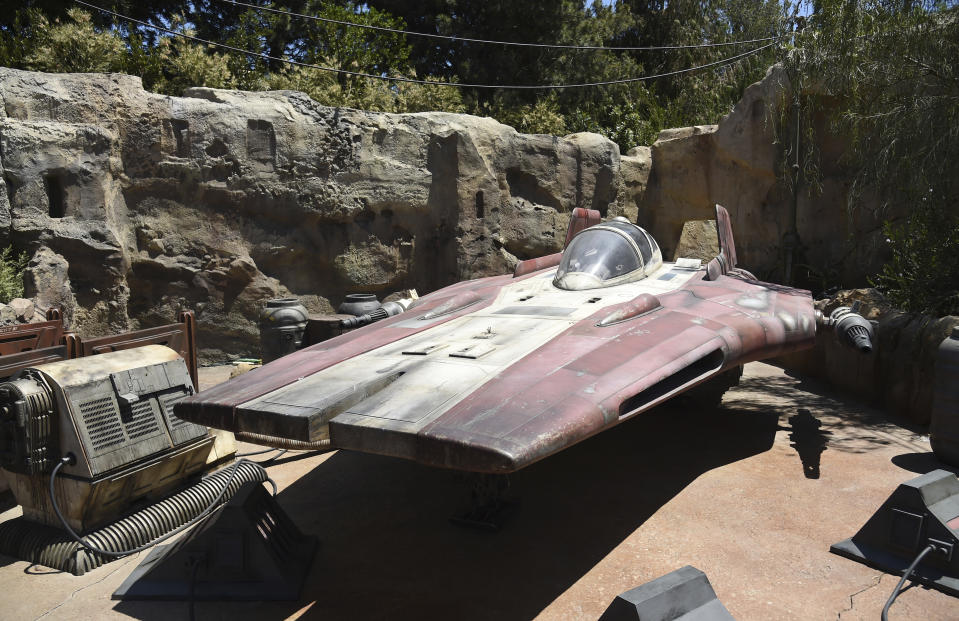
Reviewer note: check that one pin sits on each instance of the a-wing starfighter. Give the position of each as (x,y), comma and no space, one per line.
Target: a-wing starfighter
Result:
(491,375)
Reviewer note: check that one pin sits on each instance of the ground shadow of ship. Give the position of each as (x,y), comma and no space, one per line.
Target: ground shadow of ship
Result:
(388,551)
(807,436)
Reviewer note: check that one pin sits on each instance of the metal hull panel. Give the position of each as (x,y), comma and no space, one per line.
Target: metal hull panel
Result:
(520,373)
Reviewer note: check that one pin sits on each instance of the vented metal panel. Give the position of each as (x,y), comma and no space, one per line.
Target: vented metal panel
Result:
(127,415)
(114,433)
(168,400)
(102,421)
(141,420)
(181,430)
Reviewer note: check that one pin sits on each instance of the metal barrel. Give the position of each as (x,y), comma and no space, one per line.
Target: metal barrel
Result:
(358,304)
(282,325)
(944,427)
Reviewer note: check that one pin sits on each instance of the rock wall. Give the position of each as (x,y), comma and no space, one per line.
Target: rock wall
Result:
(134,205)
(737,163)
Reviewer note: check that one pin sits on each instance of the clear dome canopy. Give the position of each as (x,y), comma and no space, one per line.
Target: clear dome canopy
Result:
(607,254)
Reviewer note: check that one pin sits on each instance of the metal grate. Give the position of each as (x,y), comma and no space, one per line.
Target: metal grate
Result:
(102,421)
(168,400)
(142,421)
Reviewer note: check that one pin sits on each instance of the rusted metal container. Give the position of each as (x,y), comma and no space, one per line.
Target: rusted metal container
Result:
(944,427)
(282,324)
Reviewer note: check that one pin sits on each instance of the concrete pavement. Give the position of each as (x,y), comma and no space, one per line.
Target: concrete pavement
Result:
(725,490)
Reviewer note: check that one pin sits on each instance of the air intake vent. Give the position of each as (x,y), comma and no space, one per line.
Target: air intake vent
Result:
(665,388)
(168,400)
(140,420)
(102,420)
(180,430)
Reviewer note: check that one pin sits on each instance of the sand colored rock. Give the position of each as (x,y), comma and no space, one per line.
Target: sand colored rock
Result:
(698,240)
(23,308)
(738,163)
(134,205)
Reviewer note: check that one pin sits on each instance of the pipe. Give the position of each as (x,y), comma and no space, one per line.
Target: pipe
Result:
(283,443)
(52,547)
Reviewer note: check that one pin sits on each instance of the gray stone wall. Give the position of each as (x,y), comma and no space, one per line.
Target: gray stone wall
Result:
(133,205)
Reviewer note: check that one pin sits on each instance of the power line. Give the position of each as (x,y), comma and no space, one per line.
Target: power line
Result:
(486,41)
(726,61)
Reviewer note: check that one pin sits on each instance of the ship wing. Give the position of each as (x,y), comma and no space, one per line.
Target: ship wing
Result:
(497,388)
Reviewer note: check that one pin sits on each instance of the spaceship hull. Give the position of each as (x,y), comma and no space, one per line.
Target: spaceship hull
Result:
(515,370)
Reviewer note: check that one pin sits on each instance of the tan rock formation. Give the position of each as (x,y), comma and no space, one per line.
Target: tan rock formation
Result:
(699,240)
(737,163)
(134,205)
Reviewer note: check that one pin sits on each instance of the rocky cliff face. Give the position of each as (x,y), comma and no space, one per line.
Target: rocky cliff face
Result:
(134,205)
(738,164)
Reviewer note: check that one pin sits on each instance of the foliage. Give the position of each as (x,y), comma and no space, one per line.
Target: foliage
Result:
(541,117)
(425,97)
(354,49)
(11,274)
(923,274)
(889,69)
(630,114)
(367,94)
(174,64)
(73,45)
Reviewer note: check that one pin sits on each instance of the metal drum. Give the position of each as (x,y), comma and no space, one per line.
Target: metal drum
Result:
(944,427)
(357,304)
(282,325)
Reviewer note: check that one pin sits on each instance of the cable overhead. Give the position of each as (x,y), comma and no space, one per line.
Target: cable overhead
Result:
(725,61)
(340,22)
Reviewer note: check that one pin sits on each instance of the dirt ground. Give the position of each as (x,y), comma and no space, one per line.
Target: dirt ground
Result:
(724,490)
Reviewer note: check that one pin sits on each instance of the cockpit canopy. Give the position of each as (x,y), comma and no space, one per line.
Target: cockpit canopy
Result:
(606,255)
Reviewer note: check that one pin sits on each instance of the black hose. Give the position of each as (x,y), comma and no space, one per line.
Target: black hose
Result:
(270,460)
(252,453)
(905,576)
(97,550)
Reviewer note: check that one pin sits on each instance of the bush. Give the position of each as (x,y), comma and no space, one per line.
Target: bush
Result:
(923,274)
(11,274)
(888,66)
(183,63)
(541,117)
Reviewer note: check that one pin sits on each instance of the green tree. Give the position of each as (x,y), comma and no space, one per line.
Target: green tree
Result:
(888,70)
(74,45)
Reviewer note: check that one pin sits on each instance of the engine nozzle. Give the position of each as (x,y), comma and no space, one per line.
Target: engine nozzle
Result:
(852,329)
